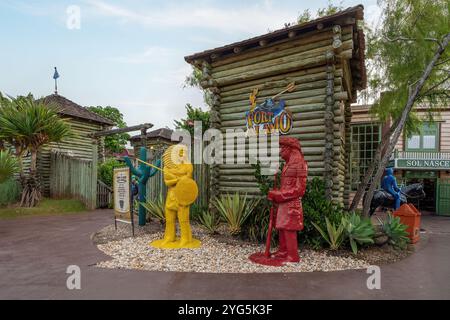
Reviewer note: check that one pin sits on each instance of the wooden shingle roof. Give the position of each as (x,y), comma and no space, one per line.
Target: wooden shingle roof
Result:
(70,108)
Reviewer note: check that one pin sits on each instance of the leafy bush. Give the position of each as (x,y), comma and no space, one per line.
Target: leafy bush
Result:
(358,231)
(106,170)
(209,221)
(396,232)
(9,192)
(155,208)
(334,235)
(235,210)
(315,209)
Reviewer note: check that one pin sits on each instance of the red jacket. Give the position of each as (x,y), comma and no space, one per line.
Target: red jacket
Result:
(288,198)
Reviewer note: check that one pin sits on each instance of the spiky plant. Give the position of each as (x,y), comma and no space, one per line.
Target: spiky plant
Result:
(155,208)
(358,231)
(334,236)
(235,210)
(8,166)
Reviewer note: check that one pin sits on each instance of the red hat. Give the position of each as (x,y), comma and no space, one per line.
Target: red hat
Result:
(290,142)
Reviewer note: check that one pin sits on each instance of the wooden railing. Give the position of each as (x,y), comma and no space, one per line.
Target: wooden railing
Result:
(416,155)
(104,195)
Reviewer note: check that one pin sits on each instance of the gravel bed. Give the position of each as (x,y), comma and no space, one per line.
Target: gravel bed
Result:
(215,255)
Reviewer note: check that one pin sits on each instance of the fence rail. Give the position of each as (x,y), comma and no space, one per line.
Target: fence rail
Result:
(104,195)
(422,155)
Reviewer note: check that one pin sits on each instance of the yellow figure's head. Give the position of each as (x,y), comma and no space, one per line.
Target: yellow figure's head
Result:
(176,155)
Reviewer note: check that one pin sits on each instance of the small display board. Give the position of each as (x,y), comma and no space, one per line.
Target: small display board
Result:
(123,200)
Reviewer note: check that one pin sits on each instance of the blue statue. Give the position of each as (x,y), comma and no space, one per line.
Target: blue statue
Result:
(143,173)
(389,184)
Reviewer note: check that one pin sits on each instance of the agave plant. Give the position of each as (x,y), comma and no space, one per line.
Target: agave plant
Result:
(334,236)
(8,166)
(235,210)
(155,208)
(396,231)
(209,221)
(358,231)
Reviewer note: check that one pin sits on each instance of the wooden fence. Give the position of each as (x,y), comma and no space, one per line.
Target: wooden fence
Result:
(73,178)
(156,186)
(104,195)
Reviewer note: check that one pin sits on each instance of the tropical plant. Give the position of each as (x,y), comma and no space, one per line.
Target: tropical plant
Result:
(256,226)
(358,231)
(27,124)
(235,210)
(396,231)
(334,234)
(209,221)
(106,170)
(113,143)
(315,209)
(155,208)
(8,166)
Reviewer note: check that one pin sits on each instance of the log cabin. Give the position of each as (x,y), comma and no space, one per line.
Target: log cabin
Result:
(325,59)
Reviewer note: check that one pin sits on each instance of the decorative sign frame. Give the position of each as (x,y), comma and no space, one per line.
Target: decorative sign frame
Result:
(123,199)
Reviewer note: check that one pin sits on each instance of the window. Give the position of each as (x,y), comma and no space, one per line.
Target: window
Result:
(426,140)
(364,143)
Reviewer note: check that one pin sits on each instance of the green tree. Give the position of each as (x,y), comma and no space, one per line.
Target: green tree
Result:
(409,61)
(330,9)
(27,124)
(193,114)
(194,81)
(114,143)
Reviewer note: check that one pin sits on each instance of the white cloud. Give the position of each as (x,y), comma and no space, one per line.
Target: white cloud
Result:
(149,55)
(251,19)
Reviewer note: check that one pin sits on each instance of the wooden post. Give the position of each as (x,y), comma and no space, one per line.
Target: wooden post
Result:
(329,126)
(93,198)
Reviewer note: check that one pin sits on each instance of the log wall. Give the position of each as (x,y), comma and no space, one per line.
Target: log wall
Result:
(318,63)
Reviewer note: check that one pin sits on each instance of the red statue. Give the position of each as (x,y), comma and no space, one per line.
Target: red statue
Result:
(286,211)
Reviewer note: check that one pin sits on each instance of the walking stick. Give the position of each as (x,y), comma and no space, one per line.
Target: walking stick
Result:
(272,216)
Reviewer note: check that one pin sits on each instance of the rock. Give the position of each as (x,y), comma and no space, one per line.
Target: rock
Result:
(381,240)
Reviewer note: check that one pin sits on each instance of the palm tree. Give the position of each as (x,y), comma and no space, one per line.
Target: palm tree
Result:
(27,124)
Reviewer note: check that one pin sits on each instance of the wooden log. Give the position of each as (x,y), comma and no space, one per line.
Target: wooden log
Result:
(271,62)
(303,39)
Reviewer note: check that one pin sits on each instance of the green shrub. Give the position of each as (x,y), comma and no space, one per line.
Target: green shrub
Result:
(315,209)
(358,231)
(106,170)
(334,234)
(9,192)
(235,210)
(155,209)
(396,232)
(8,166)
(209,221)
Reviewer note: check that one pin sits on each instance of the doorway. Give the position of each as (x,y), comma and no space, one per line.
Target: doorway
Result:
(429,181)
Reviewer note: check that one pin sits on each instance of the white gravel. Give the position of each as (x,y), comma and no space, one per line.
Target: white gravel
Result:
(213,257)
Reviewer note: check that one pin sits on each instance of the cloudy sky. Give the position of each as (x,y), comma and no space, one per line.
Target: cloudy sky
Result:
(129,53)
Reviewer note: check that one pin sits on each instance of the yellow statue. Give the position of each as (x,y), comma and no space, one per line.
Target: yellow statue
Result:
(182,192)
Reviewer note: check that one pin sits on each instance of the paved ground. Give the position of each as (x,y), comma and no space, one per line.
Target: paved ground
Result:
(35,252)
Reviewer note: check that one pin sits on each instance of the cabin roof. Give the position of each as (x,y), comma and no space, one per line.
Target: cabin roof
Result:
(348,16)
(164,133)
(70,108)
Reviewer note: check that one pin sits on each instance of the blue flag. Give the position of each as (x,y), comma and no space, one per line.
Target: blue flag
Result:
(56,74)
